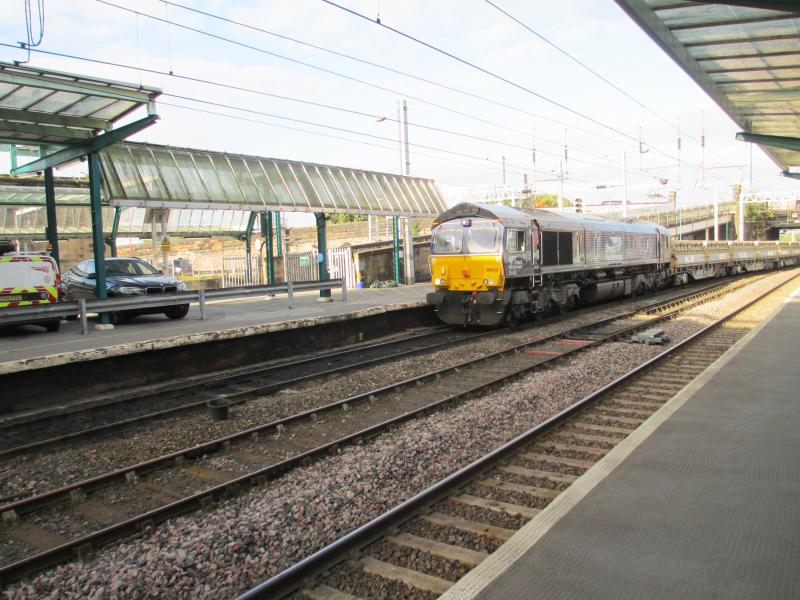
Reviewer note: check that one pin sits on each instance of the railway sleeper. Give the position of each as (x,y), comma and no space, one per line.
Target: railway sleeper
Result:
(601,417)
(325,592)
(545,494)
(591,451)
(586,437)
(468,526)
(634,397)
(633,404)
(557,460)
(555,478)
(465,556)
(413,579)
(630,414)
(601,428)
(512,510)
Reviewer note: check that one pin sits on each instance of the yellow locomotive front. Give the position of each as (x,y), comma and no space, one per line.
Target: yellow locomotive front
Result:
(467,271)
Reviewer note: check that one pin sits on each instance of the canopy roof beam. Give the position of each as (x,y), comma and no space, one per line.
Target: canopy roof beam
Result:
(790,143)
(26,116)
(76,87)
(95,145)
(9,128)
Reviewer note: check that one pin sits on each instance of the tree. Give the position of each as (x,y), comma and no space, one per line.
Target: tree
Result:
(759,215)
(543,201)
(337,218)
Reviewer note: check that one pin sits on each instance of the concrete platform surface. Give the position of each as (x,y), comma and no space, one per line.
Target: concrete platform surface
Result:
(28,346)
(705,504)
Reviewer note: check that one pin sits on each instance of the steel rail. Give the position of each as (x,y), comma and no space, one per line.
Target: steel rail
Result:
(240,396)
(86,544)
(291,579)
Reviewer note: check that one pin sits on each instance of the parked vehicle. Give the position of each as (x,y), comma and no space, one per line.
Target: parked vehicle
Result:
(28,279)
(125,277)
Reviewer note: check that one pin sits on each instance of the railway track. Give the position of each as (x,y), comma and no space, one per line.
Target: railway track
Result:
(420,548)
(22,435)
(75,520)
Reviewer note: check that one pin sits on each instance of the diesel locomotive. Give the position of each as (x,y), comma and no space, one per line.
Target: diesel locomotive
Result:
(494,264)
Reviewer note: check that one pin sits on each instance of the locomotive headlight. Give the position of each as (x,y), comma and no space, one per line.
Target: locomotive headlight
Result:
(485,282)
(438,281)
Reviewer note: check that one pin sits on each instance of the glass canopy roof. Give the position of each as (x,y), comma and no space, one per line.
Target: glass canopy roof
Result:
(747,59)
(136,174)
(74,221)
(55,108)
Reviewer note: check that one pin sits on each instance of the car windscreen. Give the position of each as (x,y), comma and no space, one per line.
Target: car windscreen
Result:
(447,238)
(129,267)
(483,236)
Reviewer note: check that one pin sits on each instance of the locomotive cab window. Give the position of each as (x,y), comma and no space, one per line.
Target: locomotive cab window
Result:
(447,238)
(482,237)
(515,241)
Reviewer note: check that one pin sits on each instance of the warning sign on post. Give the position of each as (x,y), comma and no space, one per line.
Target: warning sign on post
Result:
(166,245)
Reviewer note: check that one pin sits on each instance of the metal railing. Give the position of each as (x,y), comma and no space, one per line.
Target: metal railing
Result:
(81,308)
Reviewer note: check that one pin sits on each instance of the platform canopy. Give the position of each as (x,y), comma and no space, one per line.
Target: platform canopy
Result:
(74,221)
(745,55)
(148,175)
(56,109)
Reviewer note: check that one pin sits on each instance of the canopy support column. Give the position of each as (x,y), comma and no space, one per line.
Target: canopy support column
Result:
(266,235)
(248,247)
(52,224)
(112,239)
(408,251)
(396,249)
(278,235)
(322,256)
(98,243)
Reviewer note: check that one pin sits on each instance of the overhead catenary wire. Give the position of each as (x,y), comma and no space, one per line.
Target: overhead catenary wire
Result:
(387,68)
(592,71)
(411,124)
(481,69)
(329,71)
(492,74)
(308,102)
(351,78)
(359,133)
(479,161)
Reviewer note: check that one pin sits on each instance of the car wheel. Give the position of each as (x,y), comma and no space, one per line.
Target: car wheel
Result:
(177,312)
(53,326)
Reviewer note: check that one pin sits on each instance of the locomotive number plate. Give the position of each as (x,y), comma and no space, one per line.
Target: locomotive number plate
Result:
(11,298)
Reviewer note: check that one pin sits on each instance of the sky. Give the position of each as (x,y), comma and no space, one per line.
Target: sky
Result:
(547,102)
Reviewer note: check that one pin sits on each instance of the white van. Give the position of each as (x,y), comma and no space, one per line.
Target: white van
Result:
(28,279)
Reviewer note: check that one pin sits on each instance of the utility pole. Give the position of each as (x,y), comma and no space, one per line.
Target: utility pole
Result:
(504,170)
(624,188)
(560,185)
(533,153)
(716,213)
(679,153)
(408,245)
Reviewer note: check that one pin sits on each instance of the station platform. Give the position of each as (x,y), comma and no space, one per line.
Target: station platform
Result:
(700,502)
(31,347)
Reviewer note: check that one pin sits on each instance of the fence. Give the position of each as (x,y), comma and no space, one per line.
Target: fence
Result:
(304,266)
(235,271)
(81,308)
